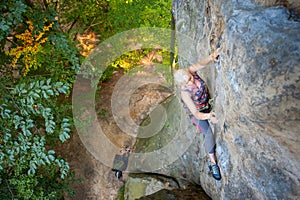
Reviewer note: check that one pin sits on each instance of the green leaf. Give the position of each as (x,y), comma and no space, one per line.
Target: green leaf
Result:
(63,136)
(31,85)
(58,84)
(45,94)
(36,96)
(65,120)
(49,129)
(50,92)
(24,112)
(67,129)
(51,157)
(50,152)
(23,91)
(48,81)
(22,86)
(45,87)
(30,100)
(5,113)
(27,132)
(63,89)
(52,123)
(31,171)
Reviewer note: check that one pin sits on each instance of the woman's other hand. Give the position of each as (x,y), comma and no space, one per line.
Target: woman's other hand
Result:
(215,55)
(206,116)
(213,118)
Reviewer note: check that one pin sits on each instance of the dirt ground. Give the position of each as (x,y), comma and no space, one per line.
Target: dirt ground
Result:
(98,181)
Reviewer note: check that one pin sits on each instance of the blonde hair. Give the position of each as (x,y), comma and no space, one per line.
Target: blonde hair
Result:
(181,76)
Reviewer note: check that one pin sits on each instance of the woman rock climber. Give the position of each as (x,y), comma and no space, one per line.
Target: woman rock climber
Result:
(194,93)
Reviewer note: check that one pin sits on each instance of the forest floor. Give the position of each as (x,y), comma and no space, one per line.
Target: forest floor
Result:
(97,180)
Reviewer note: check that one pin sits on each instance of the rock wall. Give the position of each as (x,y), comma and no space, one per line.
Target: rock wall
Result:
(256,86)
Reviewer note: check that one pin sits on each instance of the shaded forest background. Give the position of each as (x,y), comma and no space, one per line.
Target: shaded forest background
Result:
(43,44)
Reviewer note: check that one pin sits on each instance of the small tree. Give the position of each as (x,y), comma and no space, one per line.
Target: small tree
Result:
(38,67)
(29,120)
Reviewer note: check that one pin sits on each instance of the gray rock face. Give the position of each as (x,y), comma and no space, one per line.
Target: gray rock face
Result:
(256,86)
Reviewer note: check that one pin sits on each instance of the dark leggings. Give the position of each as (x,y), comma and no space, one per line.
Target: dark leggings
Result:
(204,127)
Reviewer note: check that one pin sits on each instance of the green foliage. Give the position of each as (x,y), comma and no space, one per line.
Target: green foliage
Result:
(34,109)
(103,113)
(108,73)
(108,18)
(130,59)
(130,14)
(14,16)
(137,14)
(121,193)
(57,57)
(82,15)
(11,15)
(29,117)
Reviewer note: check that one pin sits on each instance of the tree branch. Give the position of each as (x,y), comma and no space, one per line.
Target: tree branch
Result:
(12,195)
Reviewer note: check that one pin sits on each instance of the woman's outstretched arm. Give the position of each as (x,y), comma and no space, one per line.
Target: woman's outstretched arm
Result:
(201,63)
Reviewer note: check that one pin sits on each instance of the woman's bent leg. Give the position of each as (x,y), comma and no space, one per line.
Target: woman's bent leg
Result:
(209,141)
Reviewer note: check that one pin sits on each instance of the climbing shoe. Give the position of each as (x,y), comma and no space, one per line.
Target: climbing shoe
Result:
(215,171)
(118,173)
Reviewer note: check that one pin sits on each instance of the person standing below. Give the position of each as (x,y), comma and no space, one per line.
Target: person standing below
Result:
(195,96)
